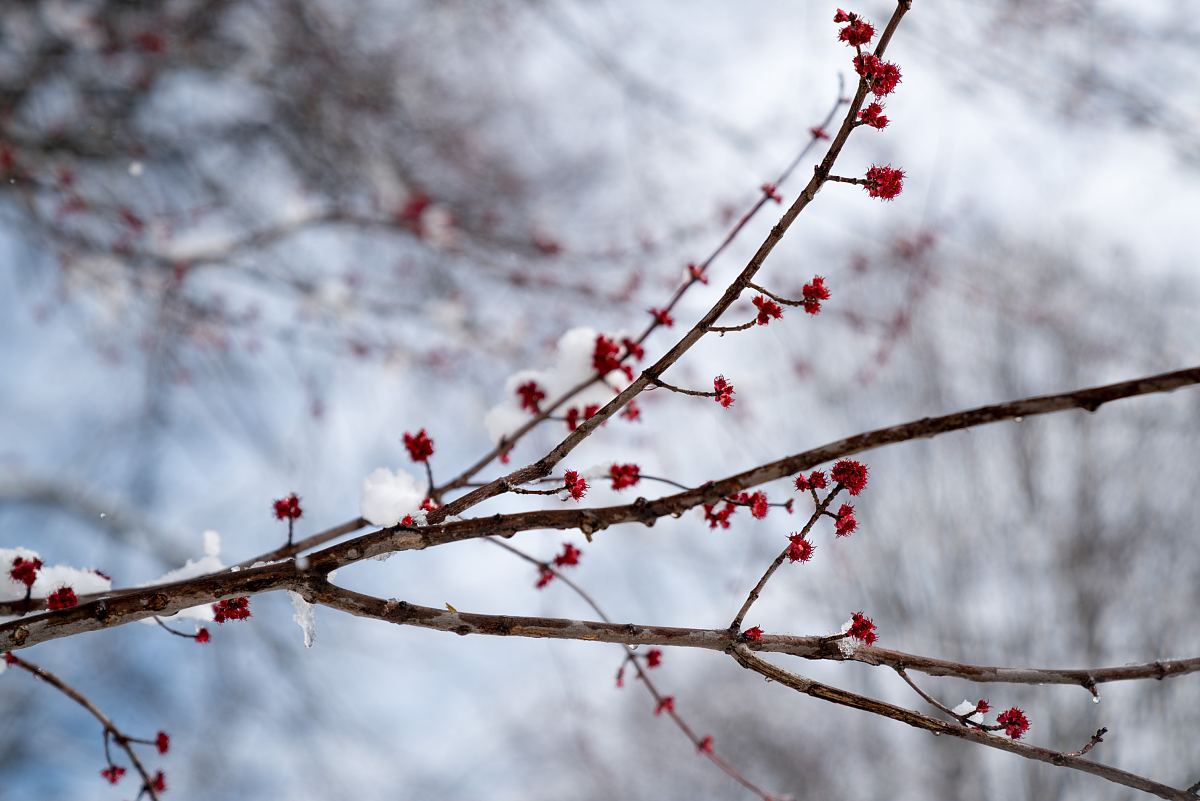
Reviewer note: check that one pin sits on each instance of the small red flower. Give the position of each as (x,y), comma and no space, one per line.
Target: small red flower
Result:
(113,773)
(770,191)
(575,486)
(633,348)
(697,273)
(545,576)
(857,33)
(569,556)
(800,550)
(202,635)
(754,634)
(662,316)
(24,571)
(1014,722)
(718,518)
(706,744)
(767,310)
(884,182)
(862,628)
(631,411)
(850,474)
(814,293)
(162,742)
(62,598)
(845,523)
(724,391)
(531,396)
(621,676)
(667,704)
(159,782)
(420,446)
(624,475)
(866,65)
(654,657)
(605,357)
(843,16)
(982,707)
(873,116)
(885,75)
(233,609)
(429,505)
(10,659)
(758,504)
(818,132)
(288,508)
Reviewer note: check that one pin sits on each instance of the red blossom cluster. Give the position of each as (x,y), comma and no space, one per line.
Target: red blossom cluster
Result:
(573,415)
(718,517)
(1014,722)
(857,32)
(697,273)
(982,706)
(159,782)
(420,446)
(569,556)
(113,773)
(814,293)
(882,76)
(624,475)
(288,508)
(757,501)
(162,742)
(663,316)
(724,391)
(24,571)
(767,310)
(232,609)
(753,635)
(800,549)
(575,485)
(862,628)
(845,522)
(606,357)
(654,657)
(62,598)
(665,704)
(816,480)
(705,746)
(531,396)
(873,116)
(884,182)
(772,192)
(850,474)
(202,636)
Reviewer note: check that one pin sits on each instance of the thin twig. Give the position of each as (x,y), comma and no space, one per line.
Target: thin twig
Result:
(109,727)
(736,625)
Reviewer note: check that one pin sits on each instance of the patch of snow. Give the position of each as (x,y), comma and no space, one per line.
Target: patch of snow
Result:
(387,497)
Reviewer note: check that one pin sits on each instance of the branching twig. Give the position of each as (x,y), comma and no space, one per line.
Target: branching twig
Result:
(110,728)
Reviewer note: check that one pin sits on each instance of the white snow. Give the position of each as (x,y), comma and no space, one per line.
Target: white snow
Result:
(49,578)
(209,563)
(387,497)
(968,708)
(304,617)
